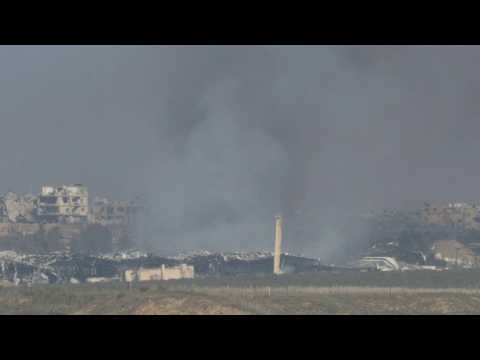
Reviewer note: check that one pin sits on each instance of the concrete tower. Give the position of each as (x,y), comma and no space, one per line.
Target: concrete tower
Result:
(278,244)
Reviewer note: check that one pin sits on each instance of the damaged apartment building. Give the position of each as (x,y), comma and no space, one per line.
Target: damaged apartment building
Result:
(67,209)
(63,204)
(66,204)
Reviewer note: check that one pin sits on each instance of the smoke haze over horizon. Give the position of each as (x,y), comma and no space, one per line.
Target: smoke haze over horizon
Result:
(222,138)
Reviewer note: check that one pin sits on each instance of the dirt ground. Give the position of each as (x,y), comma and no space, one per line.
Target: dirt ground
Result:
(155,299)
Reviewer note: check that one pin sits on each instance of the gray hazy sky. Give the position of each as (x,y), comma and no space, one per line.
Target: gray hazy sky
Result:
(222,138)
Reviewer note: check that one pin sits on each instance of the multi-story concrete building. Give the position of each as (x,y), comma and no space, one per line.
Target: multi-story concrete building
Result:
(63,204)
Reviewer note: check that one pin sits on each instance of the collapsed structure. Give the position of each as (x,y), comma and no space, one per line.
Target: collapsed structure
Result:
(16,208)
(59,215)
(64,267)
(64,209)
(67,204)
(441,236)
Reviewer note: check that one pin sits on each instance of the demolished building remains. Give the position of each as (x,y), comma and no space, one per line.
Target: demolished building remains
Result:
(16,208)
(48,224)
(24,218)
(64,267)
(67,204)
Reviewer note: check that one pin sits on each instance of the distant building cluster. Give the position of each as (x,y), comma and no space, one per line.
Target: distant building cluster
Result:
(65,204)
(453,214)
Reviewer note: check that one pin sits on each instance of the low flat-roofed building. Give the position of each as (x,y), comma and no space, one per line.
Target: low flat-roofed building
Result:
(162,273)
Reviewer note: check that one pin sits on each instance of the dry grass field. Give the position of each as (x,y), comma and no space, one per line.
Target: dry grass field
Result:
(359,293)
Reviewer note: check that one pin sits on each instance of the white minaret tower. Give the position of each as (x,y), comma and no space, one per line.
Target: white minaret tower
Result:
(278,244)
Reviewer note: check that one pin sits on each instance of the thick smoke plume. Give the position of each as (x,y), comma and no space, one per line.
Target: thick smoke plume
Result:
(221,139)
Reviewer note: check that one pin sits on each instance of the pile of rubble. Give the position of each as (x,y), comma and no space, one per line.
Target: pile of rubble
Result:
(65,267)
(16,208)
(238,263)
(60,267)
(227,256)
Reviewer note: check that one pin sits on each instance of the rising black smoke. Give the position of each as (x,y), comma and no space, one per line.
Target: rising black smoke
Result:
(221,139)
(318,134)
